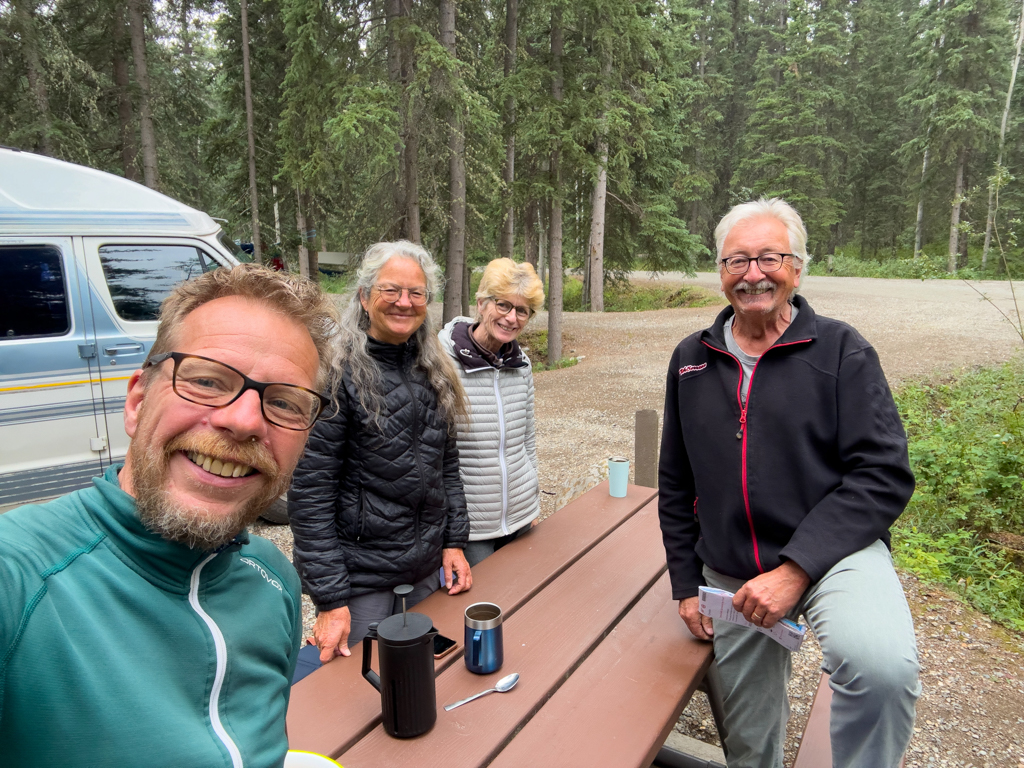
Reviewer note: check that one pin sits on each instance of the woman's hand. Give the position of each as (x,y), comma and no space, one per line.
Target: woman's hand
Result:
(331,631)
(454,560)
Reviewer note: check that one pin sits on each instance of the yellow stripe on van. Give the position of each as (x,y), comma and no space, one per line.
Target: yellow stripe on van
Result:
(62,384)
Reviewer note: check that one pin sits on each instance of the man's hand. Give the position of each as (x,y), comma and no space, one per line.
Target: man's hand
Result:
(767,598)
(330,633)
(699,625)
(454,560)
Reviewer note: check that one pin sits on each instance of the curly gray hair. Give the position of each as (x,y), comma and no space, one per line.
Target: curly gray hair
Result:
(430,356)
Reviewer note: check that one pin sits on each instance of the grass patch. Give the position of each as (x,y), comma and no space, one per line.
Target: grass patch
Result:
(966,440)
(335,282)
(629,297)
(535,343)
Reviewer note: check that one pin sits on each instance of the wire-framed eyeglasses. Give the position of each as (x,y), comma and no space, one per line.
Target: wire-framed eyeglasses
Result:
(392,293)
(766,262)
(209,382)
(504,307)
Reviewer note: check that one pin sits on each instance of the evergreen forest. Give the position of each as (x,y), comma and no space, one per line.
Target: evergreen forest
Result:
(597,136)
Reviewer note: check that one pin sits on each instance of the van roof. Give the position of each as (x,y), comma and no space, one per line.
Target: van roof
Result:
(43,196)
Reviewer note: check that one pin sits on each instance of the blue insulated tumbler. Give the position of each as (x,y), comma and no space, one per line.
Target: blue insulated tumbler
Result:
(485,652)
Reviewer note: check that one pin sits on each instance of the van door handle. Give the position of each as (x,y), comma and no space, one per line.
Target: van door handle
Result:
(122,349)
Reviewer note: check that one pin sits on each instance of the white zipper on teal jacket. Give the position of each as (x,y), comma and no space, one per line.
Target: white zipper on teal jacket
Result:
(222,665)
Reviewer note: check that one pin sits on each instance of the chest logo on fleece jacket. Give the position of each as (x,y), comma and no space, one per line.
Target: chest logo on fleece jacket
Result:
(262,572)
(692,368)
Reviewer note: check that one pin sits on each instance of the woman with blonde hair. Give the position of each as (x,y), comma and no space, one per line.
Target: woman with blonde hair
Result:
(497,440)
(377,501)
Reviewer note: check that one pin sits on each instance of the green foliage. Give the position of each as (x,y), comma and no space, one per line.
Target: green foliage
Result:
(967,450)
(930,264)
(535,342)
(627,297)
(985,577)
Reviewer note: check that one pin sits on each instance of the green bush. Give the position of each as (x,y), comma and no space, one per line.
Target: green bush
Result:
(966,440)
(929,264)
(628,297)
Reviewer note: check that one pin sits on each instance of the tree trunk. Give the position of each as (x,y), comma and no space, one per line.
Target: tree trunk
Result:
(410,133)
(919,226)
(954,222)
(454,266)
(600,199)
(125,113)
(137,18)
(530,240)
(26,14)
(466,287)
(308,262)
(508,229)
(393,15)
(257,247)
(555,223)
(990,220)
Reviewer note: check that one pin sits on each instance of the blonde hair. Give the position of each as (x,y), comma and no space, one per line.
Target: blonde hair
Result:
(294,297)
(504,277)
(774,208)
(354,358)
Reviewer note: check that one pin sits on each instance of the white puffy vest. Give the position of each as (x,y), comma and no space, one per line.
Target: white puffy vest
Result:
(497,447)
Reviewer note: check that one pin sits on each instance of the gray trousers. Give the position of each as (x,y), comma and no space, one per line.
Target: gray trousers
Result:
(377,606)
(860,616)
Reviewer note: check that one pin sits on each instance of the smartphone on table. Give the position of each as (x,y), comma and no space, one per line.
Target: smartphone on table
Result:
(443,646)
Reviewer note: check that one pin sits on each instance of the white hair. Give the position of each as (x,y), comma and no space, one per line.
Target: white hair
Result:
(775,208)
(430,356)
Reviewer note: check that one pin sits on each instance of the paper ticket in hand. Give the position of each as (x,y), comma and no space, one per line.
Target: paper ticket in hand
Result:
(717,603)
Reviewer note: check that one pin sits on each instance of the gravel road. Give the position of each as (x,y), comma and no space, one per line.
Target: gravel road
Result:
(971,713)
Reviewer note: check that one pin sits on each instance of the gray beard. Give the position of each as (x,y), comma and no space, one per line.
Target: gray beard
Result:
(195,527)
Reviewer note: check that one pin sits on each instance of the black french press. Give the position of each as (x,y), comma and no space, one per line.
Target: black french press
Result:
(406,680)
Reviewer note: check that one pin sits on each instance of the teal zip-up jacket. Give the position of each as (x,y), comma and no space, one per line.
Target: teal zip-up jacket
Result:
(118,648)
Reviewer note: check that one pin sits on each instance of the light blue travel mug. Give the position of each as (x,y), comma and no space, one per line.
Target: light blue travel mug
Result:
(618,476)
(485,652)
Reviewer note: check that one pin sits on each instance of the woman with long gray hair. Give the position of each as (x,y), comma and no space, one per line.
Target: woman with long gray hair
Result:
(377,501)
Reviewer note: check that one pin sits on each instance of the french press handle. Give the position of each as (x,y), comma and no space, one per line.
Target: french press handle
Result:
(368,673)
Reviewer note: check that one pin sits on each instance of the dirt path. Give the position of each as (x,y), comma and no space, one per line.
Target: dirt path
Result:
(972,710)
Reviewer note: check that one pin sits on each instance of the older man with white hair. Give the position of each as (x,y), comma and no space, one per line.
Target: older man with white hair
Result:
(783,465)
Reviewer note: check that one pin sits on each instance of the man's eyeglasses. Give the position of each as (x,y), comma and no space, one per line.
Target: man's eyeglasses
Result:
(216,385)
(766,262)
(391,294)
(504,307)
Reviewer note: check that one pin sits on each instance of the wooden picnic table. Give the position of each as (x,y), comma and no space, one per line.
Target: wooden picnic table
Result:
(606,664)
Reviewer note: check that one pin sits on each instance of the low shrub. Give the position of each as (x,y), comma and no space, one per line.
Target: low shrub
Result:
(966,438)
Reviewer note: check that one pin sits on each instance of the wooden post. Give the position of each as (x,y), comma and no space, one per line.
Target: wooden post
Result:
(645,449)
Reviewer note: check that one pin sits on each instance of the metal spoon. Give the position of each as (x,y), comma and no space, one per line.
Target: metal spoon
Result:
(504,685)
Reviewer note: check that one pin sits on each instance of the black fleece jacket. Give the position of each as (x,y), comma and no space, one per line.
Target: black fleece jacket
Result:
(370,510)
(812,469)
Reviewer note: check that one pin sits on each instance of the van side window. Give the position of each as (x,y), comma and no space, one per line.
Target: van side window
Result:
(33,298)
(140,276)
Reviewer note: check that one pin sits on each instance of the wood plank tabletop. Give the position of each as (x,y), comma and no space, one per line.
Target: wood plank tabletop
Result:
(334,707)
(545,640)
(619,706)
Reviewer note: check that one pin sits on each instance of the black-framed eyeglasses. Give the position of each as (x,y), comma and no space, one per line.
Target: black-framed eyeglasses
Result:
(392,293)
(209,382)
(504,307)
(766,262)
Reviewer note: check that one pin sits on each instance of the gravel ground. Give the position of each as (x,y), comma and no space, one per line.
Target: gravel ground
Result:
(971,712)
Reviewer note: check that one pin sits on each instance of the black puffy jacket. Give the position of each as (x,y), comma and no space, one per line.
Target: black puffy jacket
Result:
(369,509)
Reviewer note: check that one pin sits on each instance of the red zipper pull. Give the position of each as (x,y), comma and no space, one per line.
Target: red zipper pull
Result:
(743,421)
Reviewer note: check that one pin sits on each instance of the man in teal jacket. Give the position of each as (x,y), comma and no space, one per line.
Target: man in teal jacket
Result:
(139,624)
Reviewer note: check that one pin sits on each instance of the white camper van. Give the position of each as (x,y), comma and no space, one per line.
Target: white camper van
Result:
(85,260)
